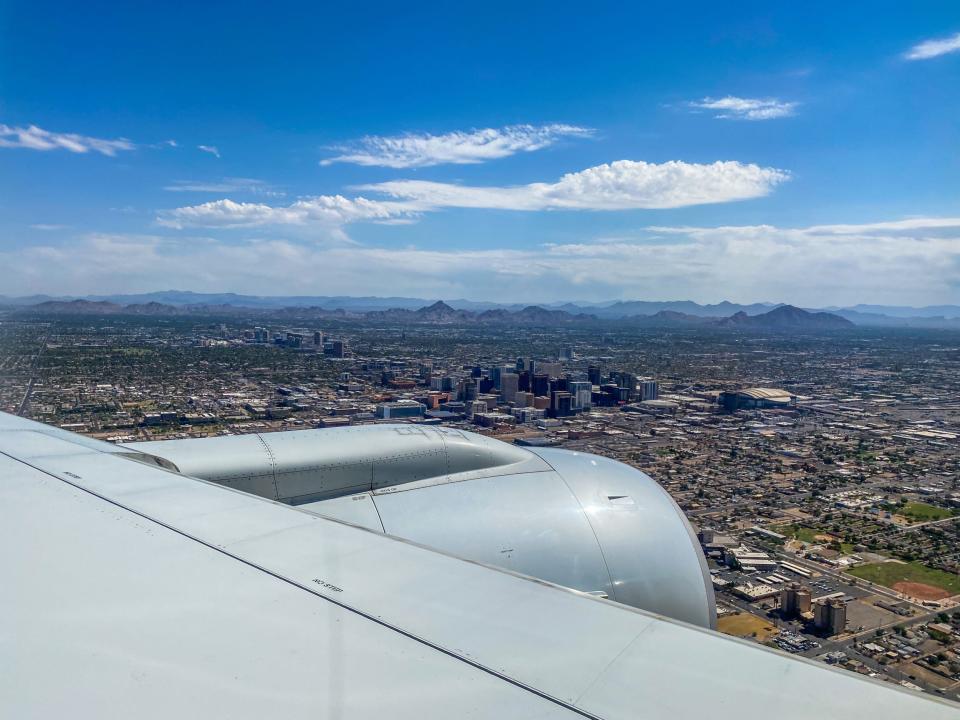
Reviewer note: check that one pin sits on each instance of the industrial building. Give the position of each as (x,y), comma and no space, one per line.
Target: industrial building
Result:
(794,600)
(830,615)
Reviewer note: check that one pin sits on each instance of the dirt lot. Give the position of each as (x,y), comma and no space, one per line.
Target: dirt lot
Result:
(921,591)
(744,625)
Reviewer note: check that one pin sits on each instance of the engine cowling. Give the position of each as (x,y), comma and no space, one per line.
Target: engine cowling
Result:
(575,519)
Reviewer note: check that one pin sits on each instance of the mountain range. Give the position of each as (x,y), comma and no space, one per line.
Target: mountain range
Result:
(613,309)
(654,313)
(784,317)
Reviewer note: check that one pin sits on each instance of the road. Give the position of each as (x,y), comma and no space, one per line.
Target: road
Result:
(34,365)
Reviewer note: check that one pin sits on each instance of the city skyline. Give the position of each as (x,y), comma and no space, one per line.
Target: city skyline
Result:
(623,155)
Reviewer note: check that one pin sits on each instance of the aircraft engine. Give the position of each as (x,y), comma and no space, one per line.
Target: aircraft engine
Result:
(574,519)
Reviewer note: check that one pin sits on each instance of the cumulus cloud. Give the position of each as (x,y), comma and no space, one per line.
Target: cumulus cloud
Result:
(35,138)
(620,185)
(911,262)
(212,149)
(934,48)
(225,185)
(457,148)
(738,108)
(329,210)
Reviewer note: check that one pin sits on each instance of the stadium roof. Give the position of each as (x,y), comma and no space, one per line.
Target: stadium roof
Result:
(771,394)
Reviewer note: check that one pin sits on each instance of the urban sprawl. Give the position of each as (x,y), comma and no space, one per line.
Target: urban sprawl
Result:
(821,469)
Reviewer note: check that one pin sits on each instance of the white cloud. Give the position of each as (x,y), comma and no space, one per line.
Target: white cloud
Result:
(326,210)
(458,148)
(737,108)
(815,266)
(620,185)
(934,48)
(209,149)
(225,185)
(35,138)
(48,227)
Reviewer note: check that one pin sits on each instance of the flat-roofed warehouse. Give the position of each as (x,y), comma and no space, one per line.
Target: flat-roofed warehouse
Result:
(753,398)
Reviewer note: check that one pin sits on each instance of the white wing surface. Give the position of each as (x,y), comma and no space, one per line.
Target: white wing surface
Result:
(132,591)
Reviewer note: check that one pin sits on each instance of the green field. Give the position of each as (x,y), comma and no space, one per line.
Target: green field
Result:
(890,573)
(799,532)
(921,512)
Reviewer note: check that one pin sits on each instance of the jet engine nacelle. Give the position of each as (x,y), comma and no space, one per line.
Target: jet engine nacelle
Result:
(578,520)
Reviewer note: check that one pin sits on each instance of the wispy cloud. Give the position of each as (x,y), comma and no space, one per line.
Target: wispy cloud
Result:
(457,148)
(327,210)
(226,185)
(934,48)
(738,108)
(209,149)
(48,227)
(35,138)
(900,262)
(620,185)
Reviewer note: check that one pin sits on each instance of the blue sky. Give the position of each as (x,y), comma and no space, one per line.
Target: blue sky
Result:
(509,151)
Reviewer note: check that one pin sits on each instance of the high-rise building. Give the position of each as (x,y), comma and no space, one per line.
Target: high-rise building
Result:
(498,373)
(318,339)
(581,391)
(524,380)
(561,404)
(541,384)
(550,369)
(794,600)
(593,374)
(648,390)
(469,391)
(336,348)
(509,386)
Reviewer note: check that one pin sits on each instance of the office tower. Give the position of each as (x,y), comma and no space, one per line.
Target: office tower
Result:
(561,404)
(593,374)
(523,382)
(649,390)
(469,390)
(509,386)
(541,384)
(581,392)
(550,369)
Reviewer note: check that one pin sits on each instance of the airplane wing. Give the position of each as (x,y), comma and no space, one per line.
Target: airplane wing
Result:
(133,591)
